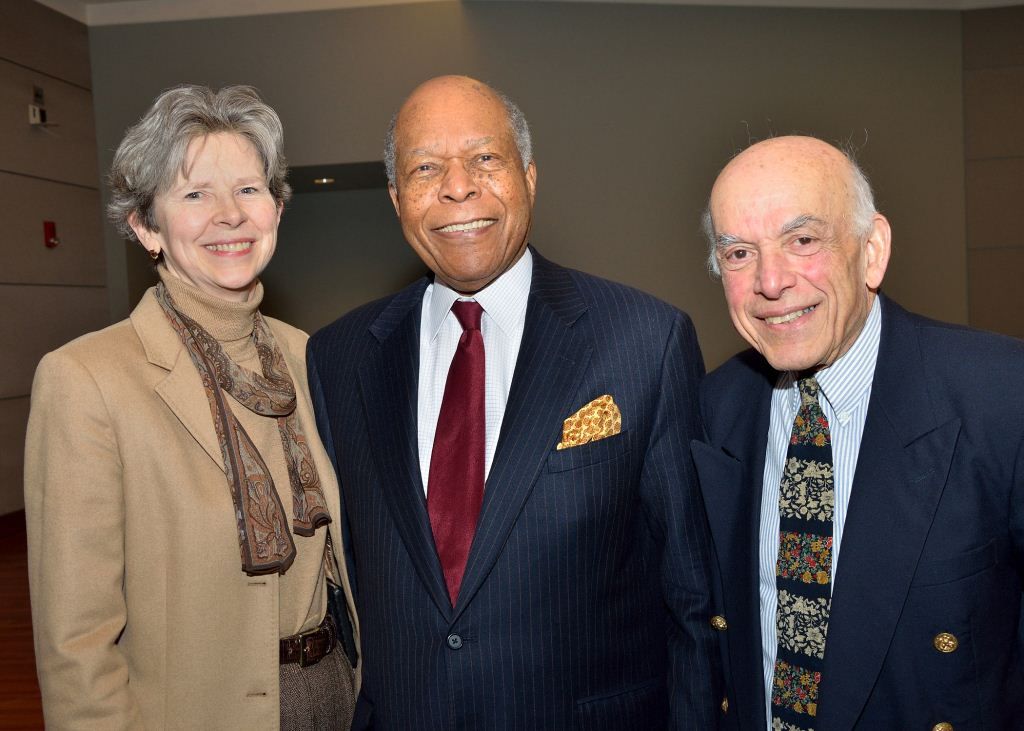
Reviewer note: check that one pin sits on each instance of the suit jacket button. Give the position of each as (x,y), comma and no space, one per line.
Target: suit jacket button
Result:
(945,642)
(718,622)
(725,705)
(454,641)
(942,727)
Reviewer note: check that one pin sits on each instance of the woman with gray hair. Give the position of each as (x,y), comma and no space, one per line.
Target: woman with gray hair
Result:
(182,513)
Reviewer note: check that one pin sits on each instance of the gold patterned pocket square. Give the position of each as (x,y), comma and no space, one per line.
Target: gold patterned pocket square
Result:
(597,420)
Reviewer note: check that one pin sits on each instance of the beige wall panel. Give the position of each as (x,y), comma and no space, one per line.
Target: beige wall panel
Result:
(33,35)
(24,204)
(13,417)
(65,152)
(40,319)
(995,195)
(994,37)
(997,297)
(994,116)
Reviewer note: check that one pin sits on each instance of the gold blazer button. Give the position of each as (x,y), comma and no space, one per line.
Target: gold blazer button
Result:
(945,642)
(725,705)
(718,622)
(942,727)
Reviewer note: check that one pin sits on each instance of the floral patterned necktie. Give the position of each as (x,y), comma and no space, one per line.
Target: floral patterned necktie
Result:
(803,569)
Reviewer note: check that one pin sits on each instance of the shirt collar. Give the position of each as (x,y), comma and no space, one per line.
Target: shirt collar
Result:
(844,382)
(504,299)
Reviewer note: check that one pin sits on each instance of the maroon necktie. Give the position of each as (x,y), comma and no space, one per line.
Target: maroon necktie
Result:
(455,489)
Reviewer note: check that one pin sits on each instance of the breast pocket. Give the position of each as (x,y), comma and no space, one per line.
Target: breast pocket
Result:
(591,453)
(955,568)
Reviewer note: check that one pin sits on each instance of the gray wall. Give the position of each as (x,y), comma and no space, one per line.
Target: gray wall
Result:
(47,295)
(993,120)
(634,108)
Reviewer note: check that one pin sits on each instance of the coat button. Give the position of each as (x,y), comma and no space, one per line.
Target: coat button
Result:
(454,641)
(718,622)
(725,705)
(942,727)
(945,642)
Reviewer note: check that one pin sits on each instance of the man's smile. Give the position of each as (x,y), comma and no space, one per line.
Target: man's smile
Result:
(789,317)
(467,226)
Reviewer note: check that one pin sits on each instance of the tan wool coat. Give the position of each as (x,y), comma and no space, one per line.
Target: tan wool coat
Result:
(142,615)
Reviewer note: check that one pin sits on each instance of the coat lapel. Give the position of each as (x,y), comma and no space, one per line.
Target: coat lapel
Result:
(182,389)
(903,463)
(553,357)
(730,476)
(388,381)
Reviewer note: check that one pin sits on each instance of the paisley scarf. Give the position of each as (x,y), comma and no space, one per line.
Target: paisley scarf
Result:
(264,540)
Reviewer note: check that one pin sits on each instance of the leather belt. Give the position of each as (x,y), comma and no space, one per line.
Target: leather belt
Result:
(309,648)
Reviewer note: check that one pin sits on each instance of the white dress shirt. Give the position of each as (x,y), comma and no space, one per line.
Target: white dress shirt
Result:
(845,389)
(504,316)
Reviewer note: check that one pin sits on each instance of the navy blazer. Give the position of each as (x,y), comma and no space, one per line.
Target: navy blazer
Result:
(585,601)
(933,541)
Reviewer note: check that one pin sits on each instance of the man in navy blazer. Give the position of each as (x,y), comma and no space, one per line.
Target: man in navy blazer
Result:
(585,598)
(927,438)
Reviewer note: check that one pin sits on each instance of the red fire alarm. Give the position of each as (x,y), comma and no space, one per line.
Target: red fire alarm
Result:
(50,238)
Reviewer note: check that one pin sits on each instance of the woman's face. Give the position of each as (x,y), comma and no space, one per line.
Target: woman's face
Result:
(217,223)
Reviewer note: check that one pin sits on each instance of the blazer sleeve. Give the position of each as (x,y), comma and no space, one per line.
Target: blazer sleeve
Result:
(669,484)
(74,510)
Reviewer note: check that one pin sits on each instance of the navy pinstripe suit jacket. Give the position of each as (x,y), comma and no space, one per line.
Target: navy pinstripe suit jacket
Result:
(585,599)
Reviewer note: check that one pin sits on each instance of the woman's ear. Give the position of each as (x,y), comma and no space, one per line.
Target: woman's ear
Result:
(150,240)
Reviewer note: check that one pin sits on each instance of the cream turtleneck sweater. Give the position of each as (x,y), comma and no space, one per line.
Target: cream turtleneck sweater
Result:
(302,590)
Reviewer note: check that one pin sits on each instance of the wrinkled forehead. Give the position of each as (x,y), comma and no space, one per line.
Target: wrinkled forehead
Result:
(757,197)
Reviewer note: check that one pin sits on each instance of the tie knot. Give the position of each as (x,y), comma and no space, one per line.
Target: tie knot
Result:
(808,388)
(468,313)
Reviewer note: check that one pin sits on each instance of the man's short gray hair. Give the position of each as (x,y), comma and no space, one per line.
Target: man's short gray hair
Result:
(152,153)
(516,122)
(862,211)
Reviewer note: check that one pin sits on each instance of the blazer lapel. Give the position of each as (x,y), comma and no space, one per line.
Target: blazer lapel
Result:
(901,472)
(731,478)
(182,389)
(388,381)
(553,357)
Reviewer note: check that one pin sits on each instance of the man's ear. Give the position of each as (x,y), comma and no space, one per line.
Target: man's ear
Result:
(531,180)
(393,192)
(876,251)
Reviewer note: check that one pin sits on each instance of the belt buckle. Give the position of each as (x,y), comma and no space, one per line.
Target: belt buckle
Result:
(304,660)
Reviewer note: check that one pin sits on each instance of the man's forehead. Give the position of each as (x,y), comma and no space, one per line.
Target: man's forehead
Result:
(770,199)
(441,142)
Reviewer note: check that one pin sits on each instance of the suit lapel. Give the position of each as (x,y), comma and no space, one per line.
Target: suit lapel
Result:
(182,389)
(553,357)
(388,381)
(731,478)
(902,467)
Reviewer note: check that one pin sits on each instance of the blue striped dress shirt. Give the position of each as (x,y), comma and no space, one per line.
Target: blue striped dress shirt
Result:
(845,392)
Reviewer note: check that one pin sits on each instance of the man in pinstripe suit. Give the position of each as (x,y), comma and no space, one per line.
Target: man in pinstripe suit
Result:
(584,599)
(910,617)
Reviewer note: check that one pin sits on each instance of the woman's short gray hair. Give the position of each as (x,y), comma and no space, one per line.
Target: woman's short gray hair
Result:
(152,152)
(516,122)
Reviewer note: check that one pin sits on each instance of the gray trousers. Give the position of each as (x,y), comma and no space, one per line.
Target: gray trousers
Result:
(320,697)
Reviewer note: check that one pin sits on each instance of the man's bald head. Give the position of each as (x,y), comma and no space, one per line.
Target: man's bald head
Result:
(798,154)
(468,88)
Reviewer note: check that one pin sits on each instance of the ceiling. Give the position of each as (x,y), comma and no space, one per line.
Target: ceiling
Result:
(119,12)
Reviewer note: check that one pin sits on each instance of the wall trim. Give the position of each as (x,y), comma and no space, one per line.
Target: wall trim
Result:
(124,12)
